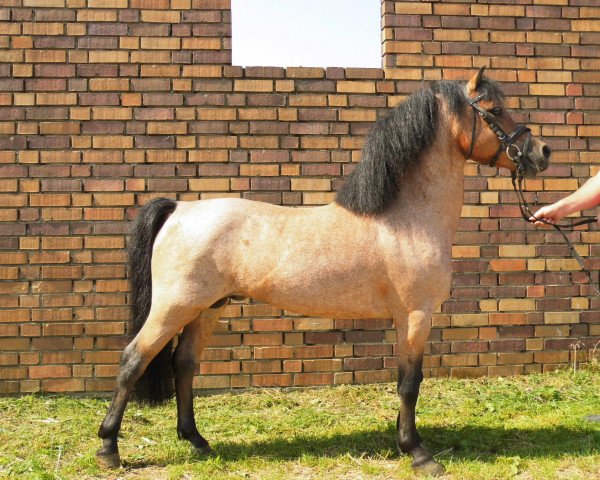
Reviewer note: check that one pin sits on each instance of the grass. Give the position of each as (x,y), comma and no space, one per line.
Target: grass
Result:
(530,427)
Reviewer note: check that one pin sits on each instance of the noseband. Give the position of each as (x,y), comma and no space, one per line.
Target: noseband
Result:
(507,141)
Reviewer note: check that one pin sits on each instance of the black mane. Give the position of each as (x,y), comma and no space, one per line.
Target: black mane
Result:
(395,143)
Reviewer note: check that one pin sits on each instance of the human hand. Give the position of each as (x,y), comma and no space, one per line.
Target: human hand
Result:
(550,214)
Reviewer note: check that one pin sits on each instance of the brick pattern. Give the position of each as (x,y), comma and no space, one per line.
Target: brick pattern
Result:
(104,105)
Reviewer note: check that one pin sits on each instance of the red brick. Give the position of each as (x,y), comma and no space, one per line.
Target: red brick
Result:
(49,371)
(316,351)
(262,339)
(375,376)
(366,363)
(303,379)
(63,385)
(271,325)
(320,365)
(323,337)
(364,336)
(265,366)
(273,352)
(219,368)
(272,380)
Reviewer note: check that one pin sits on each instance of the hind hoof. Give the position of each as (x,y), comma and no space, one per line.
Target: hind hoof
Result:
(199,443)
(108,461)
(203,450)
(429,467)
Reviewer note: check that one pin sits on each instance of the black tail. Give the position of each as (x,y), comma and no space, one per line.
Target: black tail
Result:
(156,385)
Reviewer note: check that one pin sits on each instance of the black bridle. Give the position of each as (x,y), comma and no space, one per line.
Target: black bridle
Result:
(518,156)
(507,141)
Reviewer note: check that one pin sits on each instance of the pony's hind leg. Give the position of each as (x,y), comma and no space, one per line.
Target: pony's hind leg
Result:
(185,364)
(412,333)
(130,370)
(150,340)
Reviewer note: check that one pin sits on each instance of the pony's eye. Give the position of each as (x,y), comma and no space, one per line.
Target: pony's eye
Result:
(496,111)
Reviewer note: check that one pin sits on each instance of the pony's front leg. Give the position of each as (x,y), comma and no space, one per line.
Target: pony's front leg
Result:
(412,331)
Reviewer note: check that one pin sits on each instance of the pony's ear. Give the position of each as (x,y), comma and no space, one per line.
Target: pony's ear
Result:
(473,84)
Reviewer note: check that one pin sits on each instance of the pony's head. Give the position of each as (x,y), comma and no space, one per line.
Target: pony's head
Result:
(494,138)
(474,120)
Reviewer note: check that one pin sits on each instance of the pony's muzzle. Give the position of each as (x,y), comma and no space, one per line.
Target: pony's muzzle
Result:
(546,152)
(533,164)
(544,160)
(539,157)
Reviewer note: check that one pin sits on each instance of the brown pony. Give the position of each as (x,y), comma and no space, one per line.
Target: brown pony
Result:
(382,249)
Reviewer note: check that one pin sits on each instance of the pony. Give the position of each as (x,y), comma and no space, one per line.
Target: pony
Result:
(381,249)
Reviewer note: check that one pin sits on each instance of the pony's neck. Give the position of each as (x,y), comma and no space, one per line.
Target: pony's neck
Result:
(431,196)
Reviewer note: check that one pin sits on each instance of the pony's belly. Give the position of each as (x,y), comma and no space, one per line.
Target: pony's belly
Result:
(327,303)
(334,311)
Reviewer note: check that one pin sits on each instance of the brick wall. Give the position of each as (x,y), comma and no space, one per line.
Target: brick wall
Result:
(107,103)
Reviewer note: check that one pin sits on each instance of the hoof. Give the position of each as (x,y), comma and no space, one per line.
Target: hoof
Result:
(429,467)
(199,443)
(203,450)
(108,461)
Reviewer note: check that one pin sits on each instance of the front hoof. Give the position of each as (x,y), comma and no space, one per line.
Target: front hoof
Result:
(108,460)
(429,467)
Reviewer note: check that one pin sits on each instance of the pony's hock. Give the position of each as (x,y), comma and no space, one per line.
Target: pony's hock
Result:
(362,256)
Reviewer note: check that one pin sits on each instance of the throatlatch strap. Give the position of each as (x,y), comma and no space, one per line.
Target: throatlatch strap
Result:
(473,132)
(496,155)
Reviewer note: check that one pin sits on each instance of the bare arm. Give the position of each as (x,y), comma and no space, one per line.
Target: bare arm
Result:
(587,196)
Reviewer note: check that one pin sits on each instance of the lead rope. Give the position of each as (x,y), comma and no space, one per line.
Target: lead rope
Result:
(528,216)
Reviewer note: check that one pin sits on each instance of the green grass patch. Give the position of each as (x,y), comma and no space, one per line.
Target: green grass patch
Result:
(530,427)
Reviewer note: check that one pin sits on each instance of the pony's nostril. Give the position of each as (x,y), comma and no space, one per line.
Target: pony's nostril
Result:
(546,151)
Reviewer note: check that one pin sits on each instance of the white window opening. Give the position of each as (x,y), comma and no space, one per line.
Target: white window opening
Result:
(306,33)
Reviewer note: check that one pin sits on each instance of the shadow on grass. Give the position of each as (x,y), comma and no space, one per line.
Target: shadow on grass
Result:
(467,443)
